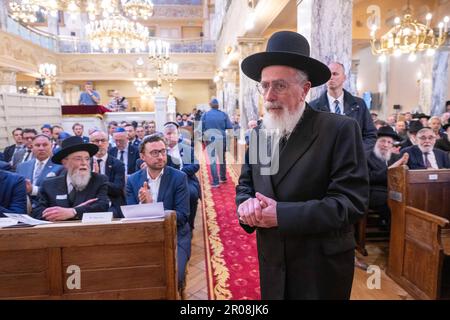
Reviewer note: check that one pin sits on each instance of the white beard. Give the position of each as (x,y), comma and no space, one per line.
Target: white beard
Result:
(385,158)
(80,180)
(284,123)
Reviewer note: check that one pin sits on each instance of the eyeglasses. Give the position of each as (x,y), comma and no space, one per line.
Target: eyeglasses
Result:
(278,86)
(99,141)
(155,153)
(423,138)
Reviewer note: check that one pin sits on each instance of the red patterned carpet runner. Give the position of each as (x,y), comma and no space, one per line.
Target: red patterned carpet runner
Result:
(231,255)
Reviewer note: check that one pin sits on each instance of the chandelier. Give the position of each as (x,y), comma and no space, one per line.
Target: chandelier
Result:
(24,10)
(117,33)
(170,74)
(48,74)
(408,37)
(138,9)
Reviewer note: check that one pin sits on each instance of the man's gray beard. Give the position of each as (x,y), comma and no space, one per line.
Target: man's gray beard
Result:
(285,123)
(79,181)
(379,155)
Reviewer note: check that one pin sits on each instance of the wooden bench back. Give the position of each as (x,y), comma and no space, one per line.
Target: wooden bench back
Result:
(118,260)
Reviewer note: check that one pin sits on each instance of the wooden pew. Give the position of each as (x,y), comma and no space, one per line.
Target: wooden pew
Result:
(419,250)
(118,260)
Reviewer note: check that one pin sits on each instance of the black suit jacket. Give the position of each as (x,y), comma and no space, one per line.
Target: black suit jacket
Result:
(355,108)
(133,155)
(115,172)
(8,153)
(378,171)
(53,192)
(415,160)
(321,189)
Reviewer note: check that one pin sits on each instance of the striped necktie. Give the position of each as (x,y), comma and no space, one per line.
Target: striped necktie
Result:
(337,109)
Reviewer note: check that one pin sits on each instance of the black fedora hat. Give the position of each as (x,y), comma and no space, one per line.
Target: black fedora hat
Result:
(415,126)
(290,49)
(420,116)
(387,131)
(71,145)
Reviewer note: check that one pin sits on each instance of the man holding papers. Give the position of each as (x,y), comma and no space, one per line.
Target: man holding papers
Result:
(160,183)
(78,191)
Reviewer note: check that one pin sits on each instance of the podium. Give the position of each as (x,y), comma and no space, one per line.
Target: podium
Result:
(74,260)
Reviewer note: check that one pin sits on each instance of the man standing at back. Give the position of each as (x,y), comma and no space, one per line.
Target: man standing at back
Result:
(214,124)
(89,96)
(337,100)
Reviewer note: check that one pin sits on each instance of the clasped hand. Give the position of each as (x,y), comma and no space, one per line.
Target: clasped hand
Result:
(259,212)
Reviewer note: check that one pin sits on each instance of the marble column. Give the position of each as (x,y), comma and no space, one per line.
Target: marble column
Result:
(58,88)
(160,111)
(229,90)
(440,83)
(8,81)
(4,4)
(248,94)
(326,25)
(425,85)
(383,88)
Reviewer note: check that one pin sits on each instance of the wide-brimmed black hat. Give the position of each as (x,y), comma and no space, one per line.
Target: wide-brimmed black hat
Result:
(387,131)
(415,126)
(71,145)
(290,49)
(420,116)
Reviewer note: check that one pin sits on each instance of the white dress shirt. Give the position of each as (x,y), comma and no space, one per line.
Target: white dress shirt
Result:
(332,105)
(102,169)
(125,158)
(154,185)
(431,158)
(35,190)
(175,154)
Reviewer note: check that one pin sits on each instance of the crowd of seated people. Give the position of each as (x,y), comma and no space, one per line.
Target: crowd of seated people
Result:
(55,175)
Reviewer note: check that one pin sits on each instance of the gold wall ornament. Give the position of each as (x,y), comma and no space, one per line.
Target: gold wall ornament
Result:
(408,37)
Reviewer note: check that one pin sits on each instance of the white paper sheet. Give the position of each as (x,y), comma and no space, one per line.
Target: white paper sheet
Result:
(143,211)
(6,222)
(24,218)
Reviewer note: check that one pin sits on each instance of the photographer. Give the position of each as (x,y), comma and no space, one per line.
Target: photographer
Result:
(118,103)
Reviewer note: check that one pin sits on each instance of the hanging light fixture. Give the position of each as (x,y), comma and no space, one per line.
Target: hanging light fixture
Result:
(24,10)
(138,9)
(117,33)
(48,73)
(408,37)
(170,74)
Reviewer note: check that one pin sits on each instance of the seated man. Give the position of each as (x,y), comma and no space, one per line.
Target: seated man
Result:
(413,128)
(379,160)
(35,171)
(424,155)
(124,151)
(78,191)
(117,103)
(161,183)
(102,163)
(182,158)
(444,142)
(13,195)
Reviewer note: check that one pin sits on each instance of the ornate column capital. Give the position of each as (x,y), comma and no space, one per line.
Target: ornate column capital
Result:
(248,46)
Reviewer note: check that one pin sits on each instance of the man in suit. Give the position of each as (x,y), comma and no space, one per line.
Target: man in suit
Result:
(424,155)
(13,196)
(413,128)
(9,151)
(78,129)
(102,163)
(444,142)
(27,151)
(131,133)
(78,191)
(160,183)
(337,100)
(41,167)
(181,156)
(214,125)
(303,199)
(124,151)
(379,160)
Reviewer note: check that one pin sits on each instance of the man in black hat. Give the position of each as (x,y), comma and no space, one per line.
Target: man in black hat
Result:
(422,117)
(444,142)
(304,202)
(78,191)
(338,100)
(378,161)
(413,128)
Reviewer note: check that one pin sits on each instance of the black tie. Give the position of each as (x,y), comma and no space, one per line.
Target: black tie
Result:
(72,196)
(27,156)
(99,161)
(427,161)
(121,155)
(283,141)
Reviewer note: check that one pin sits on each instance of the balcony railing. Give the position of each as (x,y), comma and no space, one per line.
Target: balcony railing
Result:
(68,44)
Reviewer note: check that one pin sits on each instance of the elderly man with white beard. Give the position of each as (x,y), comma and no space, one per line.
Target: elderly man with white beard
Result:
(304,201)
(70,195)
(379,160)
